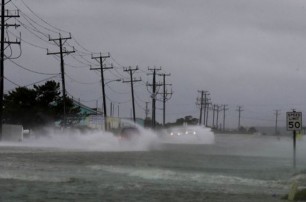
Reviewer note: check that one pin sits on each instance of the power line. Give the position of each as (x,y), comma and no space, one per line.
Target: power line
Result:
(47,79)
(34,27)
(12,82)
(58,29)
(33,83)
(52,26)
(70,65)
(80,82)
(29,43)
(24,14)
(27,69)
(83,47)
(115,91)
(34,34)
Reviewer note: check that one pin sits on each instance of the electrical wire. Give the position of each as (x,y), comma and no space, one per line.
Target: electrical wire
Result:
(80,82)
(29,43)
(61,30)
(45,35)
(12,82)
(139,105)
(36,29)
(117,91)
(27,69)
(34,34)
(47,79)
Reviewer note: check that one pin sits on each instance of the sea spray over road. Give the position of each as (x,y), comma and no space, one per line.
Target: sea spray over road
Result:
(189,135)
(89,141)
(107,141)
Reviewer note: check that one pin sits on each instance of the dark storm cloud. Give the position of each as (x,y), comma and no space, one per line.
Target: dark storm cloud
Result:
(244,52)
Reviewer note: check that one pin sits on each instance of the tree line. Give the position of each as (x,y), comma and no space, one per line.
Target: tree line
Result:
(37,107)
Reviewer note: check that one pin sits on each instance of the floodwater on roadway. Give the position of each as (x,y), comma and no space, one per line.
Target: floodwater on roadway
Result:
(234,168)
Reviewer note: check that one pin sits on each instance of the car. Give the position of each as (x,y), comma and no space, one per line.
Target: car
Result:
(129,133)
(182,131)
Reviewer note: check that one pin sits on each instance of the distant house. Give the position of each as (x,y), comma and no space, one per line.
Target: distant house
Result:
(93,118)
(85,110)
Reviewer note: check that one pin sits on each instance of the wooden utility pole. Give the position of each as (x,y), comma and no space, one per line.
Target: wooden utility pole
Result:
(5,16)
(206,94)
(219,109)
(201,106)
(132,80)
(118,108)
(165,95)
(214,112)
(224,110)
(239,110)
(202,101)
(147,110)
(154,86)
(60,42)
(277,113)
(208,103)
(101,59)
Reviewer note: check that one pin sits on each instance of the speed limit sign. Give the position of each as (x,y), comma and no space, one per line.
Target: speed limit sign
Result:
(294,121)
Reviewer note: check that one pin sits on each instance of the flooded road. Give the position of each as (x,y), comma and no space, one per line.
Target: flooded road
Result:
(235,168)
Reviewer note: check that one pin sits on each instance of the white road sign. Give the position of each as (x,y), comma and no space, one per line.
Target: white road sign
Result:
(294,121)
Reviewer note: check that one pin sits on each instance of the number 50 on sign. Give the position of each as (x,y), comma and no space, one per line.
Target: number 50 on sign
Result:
(294,121)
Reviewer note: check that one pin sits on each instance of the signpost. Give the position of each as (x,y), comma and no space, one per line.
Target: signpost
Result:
(294,123)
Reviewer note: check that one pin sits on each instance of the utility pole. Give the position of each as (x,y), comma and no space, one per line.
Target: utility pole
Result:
(165,95)
(224,110)
(101,59)
(208,103)
(201,106)
(60,42)
(277,113)
(154,93)
(111,109)
(217,121)
(214,112)
(147,110)
(132,80)
(97,107)
(239,116)
(219,109)
(118,110)
(206,94)
(5,16)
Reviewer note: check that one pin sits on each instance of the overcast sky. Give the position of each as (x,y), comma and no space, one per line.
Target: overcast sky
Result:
(250,53)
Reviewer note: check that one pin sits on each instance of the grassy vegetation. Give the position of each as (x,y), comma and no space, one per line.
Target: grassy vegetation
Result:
(300,195)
